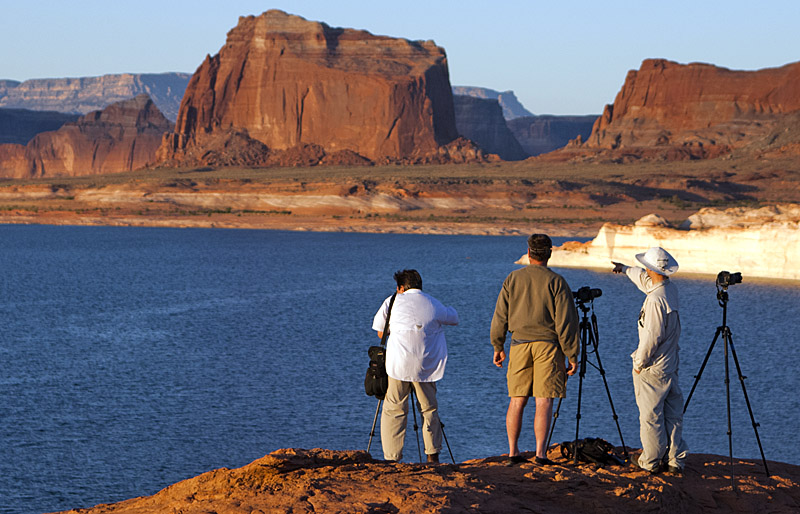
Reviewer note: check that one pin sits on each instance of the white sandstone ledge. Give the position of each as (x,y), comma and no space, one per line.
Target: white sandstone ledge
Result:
(756,242)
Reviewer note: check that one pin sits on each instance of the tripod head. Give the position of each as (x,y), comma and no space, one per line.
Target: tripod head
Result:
(586,295)
(724,280)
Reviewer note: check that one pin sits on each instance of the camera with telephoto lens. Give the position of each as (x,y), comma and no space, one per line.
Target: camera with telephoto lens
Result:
(586,294)
(725,279)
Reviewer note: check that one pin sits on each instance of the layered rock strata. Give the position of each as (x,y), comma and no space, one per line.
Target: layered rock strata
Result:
(481,120)
(83,95)
(122,137)
(761,242)
(512,108)
(286,82)
(671,111)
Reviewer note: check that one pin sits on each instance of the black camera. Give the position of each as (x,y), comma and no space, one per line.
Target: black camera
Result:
(587,294)
(725,279)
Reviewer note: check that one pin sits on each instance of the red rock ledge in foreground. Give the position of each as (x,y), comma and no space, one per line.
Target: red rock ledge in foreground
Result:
(329,481)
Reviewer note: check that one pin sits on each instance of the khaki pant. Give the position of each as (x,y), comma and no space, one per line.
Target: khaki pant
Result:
(394,417)
(536,369)
(660,403)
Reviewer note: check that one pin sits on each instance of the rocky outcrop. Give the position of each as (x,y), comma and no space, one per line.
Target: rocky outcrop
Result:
(671,111)
(542,134)
(481,120)
(285,82)
(18,126)
(295,480)
(86,94)
(122,137)
(761,242)
(512,108)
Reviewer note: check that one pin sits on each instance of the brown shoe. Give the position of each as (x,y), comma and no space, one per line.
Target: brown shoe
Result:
(433,458)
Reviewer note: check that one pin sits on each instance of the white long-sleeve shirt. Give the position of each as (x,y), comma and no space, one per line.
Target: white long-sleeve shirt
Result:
(416,350)
(659,324)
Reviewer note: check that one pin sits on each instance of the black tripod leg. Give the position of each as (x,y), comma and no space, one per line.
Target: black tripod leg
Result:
(553,425)
(374,422)
(747,400)
(728,397)
(411,398)
(700,373)
(584,339)
(610,401)
(446,441)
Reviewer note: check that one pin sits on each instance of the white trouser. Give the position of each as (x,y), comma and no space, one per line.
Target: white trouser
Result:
(394,417)
(660,403)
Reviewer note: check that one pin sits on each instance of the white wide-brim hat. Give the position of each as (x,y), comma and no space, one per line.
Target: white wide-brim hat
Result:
(658,260)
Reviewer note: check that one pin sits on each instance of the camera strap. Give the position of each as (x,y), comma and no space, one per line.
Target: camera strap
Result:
(386,326)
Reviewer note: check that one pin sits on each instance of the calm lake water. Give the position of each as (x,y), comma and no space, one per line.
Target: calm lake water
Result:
(132,358)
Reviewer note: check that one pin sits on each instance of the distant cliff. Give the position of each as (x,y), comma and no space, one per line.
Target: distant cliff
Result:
(481,120)
(122,137)
(19,126)
(512,108)
(542,134)
(282,82)
(86,94)
(671,111)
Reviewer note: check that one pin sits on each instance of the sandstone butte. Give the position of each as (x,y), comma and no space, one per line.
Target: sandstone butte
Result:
(331,482)
(122,137)
(281,82)
(671,111)
(761,242)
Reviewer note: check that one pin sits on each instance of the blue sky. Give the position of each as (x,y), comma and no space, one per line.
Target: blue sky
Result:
(559,57)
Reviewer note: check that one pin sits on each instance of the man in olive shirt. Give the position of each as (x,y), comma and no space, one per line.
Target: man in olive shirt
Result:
(536,306)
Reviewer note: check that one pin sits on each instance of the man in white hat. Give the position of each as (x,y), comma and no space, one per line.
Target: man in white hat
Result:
(655,363)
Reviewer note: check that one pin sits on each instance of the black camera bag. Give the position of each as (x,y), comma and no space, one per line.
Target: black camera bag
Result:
(376,382)
(592,450)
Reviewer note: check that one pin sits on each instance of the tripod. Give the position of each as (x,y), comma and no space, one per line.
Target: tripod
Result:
(727,337)
(589,336)
(416,427)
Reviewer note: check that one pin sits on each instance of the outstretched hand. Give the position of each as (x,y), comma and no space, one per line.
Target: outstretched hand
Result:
(618,267)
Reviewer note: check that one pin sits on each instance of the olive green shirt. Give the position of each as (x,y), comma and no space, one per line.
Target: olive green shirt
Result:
(535,304)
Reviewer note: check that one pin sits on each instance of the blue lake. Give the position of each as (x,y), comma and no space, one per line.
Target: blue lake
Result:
(132,358)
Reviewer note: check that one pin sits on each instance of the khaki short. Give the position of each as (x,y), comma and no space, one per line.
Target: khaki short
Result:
(537,369)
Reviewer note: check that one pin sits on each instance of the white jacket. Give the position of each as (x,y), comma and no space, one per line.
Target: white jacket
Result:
(659,325)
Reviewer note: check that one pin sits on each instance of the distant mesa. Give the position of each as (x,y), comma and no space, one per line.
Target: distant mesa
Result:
(122,137)
(545,133)
(512,108)
(18,126)
(481,120)
(670,111)
(86,94)
(284,84)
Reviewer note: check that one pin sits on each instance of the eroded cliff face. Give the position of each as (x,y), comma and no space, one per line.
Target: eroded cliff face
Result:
(285,82)
(122,137)
(761,242)
(672,111)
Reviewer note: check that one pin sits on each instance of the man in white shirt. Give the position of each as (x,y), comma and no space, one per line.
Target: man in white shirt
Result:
(655,363)
(416,354)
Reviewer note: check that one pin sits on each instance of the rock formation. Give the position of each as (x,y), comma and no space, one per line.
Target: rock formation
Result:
(122,137)
(542,134)
(86,94)
(671,111)
(512,108)
(18,126)
(286,82)
(481,120)
(294,480)
(761,242)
